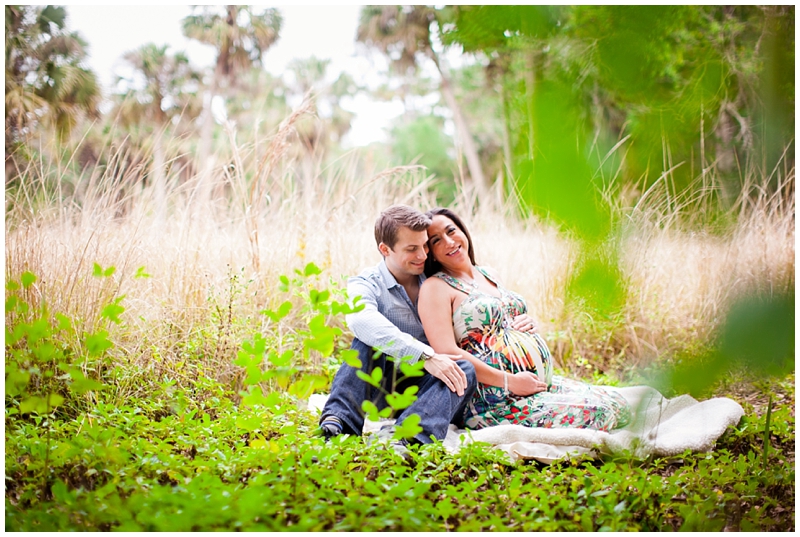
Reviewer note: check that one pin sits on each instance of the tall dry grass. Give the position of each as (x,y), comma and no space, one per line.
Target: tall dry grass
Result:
(214,264)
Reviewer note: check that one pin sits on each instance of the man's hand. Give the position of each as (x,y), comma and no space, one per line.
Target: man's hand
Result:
(525,383)
(444,368)
(524,323)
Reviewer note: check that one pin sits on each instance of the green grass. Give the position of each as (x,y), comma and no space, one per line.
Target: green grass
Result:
(94,441)
(197,461)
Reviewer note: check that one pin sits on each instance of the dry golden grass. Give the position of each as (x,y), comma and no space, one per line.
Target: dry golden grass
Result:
(213,266)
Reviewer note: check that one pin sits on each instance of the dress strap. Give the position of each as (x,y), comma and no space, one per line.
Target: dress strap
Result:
(486,275)
(460,285)
(454,282)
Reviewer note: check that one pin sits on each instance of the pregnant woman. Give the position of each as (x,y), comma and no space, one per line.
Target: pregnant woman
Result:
(465,311)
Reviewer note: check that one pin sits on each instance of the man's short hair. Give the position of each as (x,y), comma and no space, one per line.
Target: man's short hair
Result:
(392,219)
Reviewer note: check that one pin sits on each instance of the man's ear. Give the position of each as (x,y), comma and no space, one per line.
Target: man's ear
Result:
(383,249)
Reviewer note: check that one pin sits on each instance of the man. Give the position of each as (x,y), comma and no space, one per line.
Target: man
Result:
(389,323)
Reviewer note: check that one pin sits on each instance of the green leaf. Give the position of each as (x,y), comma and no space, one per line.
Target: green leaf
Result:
(12,285)
(98,271)
(11,303)
(253,398)
(350,357)
(64,322)
(409,428)
(307,385)
(284,286)
(377,375)
(38,329)
(28,278)
(248,423)
(40,405)
(16,380)
(400,401)
(97,344)
(113,311)
(140,273)
(368,379)
(312,270)
(282,311)
(61,493)
(412,370)
(80,384)
(370,410)
(281,361)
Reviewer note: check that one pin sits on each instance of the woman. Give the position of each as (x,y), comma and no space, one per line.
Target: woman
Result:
(465,311)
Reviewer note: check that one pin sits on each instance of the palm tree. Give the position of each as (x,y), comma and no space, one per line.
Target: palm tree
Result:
(161,92)
(401,32)
(241,36)
(45,80)
(317,136)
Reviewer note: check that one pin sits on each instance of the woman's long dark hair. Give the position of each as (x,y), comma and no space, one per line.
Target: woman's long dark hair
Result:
(431,265)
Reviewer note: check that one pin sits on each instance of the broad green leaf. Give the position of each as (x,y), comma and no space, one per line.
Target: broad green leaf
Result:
(245,358)
(284,286)
(412,370)
(64,322)
(368,379)
(400,401)
(409,428)
(249,423)
(283,360)
(254,397)
(12,285)
(28,278)
(307,385)
(38,329)
(82,385)
(97,344)
(113,311)
(16,380)
(370,410)
(350,357)
(377,375)
(40,405)
(259,443)
(312,270)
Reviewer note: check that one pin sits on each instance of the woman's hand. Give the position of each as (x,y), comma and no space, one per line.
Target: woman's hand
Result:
(524,323)
(525,383)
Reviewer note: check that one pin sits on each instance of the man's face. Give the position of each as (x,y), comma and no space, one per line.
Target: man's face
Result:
(407,258)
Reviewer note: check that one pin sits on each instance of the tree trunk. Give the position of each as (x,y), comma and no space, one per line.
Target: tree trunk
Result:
(462,131)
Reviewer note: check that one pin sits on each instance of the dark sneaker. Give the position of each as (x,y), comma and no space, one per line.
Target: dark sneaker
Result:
(330,426)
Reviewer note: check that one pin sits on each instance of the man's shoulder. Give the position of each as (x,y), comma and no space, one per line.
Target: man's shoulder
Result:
(370,276)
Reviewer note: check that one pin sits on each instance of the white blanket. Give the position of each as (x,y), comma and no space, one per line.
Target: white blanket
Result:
(660,426)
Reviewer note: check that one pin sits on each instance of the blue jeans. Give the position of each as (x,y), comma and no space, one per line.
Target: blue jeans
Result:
(436,405)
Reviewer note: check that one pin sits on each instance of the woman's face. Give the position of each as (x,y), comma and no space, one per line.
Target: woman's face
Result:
(447,243)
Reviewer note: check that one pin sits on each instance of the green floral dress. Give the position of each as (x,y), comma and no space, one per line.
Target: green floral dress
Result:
(481,324)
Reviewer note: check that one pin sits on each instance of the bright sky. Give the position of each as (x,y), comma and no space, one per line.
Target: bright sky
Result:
(322,31)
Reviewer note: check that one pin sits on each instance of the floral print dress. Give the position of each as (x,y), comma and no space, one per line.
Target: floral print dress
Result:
(481,324)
